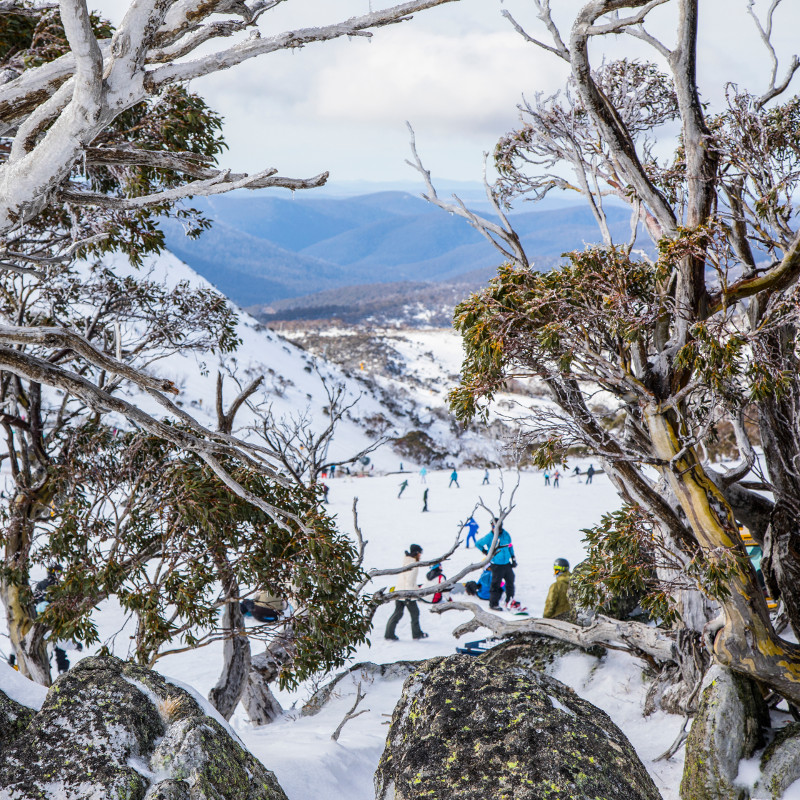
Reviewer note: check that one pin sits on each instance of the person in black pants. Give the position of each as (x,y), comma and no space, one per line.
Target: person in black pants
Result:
(407,580)
(502,566)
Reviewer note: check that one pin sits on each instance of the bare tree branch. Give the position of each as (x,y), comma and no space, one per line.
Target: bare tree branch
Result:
(633,637)
(497,235)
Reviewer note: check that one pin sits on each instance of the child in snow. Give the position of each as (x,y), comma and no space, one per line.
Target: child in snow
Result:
(472,530)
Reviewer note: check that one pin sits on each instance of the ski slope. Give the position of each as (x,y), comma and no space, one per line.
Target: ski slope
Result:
(545,524)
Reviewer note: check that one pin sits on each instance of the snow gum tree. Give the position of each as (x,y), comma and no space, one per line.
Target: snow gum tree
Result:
(58,111)
(680,340)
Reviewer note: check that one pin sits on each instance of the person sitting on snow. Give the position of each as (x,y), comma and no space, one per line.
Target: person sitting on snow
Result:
(480,588)
(266,607)
(558,603)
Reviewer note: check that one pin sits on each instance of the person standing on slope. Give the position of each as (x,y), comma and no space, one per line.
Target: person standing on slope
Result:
(485,477)
(503,563)
(407,581)
(472,530)
(425,500)
(422,474)
(546,478)
(557,603)
(589,473)
(556,476)
(453,479)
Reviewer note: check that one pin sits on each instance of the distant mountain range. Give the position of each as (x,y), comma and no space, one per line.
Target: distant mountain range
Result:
(262,250)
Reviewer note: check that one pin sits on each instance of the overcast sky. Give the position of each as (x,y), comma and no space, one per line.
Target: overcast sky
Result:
(455,72)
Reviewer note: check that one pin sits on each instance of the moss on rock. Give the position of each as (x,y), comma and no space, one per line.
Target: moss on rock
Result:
(780,762)
(108,727)
(464,729)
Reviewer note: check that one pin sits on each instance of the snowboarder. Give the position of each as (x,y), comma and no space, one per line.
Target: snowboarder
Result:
(422,473)
(453,479)
(556,476)
(557,602)
(403,487)
(472,530)
(485,477)
(425,500)
(546,478)
(589,473)
(406,581)
(502,566)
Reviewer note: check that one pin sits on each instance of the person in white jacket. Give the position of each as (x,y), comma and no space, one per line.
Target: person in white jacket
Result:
(407,580)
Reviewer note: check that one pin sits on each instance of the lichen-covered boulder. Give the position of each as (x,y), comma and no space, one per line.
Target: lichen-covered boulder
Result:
(14,718)
(729,726)
(465,730)
(780,763)
(110,729)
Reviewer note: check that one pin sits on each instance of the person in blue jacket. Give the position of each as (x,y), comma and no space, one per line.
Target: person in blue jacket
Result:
(481,587)
(472,530)
(502,566)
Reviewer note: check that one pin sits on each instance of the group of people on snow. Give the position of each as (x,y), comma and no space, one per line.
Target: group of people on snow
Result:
(496,580)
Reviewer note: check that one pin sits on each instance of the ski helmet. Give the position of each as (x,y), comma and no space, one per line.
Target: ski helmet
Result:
(561,565)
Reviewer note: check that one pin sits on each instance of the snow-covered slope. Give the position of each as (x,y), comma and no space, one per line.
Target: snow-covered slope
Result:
(546,523)
(410,401)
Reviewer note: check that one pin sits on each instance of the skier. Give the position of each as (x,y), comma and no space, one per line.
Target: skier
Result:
(577,473)
(557,603)
(407,580)
(425,500)
(589,473)
(556,476)
(403,487)
(325,490)
(502,567)
(472,530)
(485,477)
(332,471)
(422,473)
(453,479)
(546,478)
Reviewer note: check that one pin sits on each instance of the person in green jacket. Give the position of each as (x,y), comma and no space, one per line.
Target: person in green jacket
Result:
(557,602)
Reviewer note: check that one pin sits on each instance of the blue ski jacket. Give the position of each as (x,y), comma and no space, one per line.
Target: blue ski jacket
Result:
(505,550)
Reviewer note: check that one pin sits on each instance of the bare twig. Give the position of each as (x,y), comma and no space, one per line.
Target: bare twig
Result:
(350,714)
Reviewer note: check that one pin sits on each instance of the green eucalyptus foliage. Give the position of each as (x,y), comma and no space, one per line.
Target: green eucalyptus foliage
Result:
(157,530)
